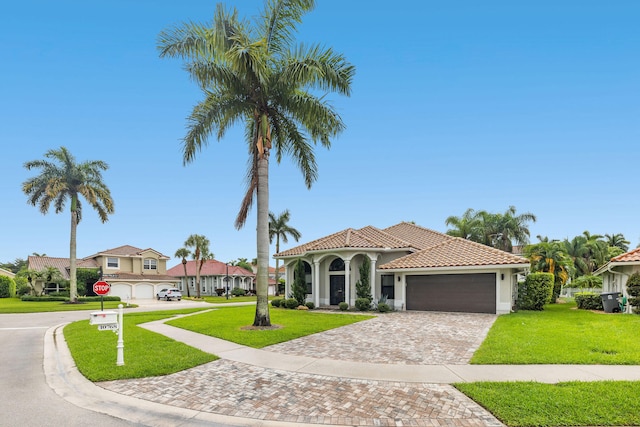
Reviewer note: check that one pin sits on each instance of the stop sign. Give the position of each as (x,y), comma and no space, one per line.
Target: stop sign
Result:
(101,288)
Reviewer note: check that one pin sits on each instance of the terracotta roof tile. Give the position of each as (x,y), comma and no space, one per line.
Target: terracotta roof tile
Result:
(455,252)
(125,250)
(631,256)
(418,237)
(211,267)
(40,263)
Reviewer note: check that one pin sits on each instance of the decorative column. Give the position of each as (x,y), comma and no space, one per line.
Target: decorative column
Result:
(347,281)
(372,275)
(316,283)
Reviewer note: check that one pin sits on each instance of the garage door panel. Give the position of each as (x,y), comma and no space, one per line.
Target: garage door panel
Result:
(471,293)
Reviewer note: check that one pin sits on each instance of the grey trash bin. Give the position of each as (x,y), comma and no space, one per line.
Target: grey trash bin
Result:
(610,302)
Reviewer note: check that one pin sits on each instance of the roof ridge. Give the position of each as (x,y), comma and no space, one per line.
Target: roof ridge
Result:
(391,236)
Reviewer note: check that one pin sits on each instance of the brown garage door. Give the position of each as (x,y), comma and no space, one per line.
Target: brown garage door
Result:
(471,293)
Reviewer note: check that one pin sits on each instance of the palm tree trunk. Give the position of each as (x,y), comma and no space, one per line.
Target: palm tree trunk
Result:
(73,281)
(262,240)
(186,278)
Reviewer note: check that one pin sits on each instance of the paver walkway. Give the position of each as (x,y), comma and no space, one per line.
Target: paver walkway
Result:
(234,388)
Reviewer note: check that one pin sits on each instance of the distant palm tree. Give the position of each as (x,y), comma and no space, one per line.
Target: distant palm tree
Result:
(504,229)
(468,226)
(597,251)
(280,230)
(184,253)
(618,241)
(254,74)
(62,180)
(200,245)
(578,251)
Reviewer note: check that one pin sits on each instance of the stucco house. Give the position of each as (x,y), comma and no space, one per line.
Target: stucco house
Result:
(415,267)
(616,272)
(213,275)
(7,273)
(133,273)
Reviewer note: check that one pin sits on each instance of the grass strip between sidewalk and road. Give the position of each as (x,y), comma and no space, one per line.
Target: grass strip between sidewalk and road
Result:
(229,324)
(16,305)
(146,353)
(602,403)
(562,334)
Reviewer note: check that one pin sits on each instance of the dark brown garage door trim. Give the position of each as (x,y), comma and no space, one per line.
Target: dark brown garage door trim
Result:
(469,293)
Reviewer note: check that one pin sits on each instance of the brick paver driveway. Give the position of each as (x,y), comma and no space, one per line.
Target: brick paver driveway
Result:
(237,389)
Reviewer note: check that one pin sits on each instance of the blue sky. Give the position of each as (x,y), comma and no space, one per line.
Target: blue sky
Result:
(455,105)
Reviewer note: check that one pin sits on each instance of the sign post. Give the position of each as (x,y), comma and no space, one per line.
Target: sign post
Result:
(101,288)
(120,345)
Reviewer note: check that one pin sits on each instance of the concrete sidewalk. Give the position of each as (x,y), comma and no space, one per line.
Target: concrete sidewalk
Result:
(437,374)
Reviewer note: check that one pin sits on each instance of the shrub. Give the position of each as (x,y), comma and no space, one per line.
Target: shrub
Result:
(383,307)
(310,305)
(7,287)
(633,289)
(276,302)
(363,286)
(44,298)
(343,306)
(23,290)
(237,292)
(291,303)
(363,304)
(535,291)
(97,298)
(588,301)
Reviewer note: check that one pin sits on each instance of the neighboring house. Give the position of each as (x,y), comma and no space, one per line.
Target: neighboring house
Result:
(7,273)
(416,268)
(214,275)
(616,272)
(133,273)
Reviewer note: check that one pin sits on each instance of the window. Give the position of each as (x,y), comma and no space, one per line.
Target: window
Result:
(337,265)
(307,277)
(150,264)
(388,286)
(113,262)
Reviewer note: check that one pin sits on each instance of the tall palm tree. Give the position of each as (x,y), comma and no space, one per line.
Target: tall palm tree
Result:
(617,240)
(597,251)
(62,179)
(280,230)
(184,253)
(200,245)
(468,226)
(255,74)
(578,251)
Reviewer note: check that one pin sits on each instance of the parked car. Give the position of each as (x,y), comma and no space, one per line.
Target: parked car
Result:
(168,293)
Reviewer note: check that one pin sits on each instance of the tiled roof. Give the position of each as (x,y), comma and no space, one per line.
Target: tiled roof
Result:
(125,250)
(631,256)
(455,252)
(418,237)
(366,238)
(211,267)
(40,263)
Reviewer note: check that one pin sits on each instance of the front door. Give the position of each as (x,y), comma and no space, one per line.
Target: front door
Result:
(336,288)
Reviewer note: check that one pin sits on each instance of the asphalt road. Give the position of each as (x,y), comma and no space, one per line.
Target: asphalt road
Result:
(25,397)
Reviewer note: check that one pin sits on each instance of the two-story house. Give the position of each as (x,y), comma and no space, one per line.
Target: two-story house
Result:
(133,273)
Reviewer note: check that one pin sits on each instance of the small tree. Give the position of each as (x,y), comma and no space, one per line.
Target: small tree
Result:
(633,289)
(299,288)
(363,286)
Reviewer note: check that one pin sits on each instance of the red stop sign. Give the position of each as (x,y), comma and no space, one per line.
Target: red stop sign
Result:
(101,288)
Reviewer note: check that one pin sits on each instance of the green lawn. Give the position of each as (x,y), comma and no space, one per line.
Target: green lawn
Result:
(228,324)
(146,353)
(562,334)
(606,403)
(224,300)
(16,305)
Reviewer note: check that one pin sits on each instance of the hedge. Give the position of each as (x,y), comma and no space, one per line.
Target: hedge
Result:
(535,291)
